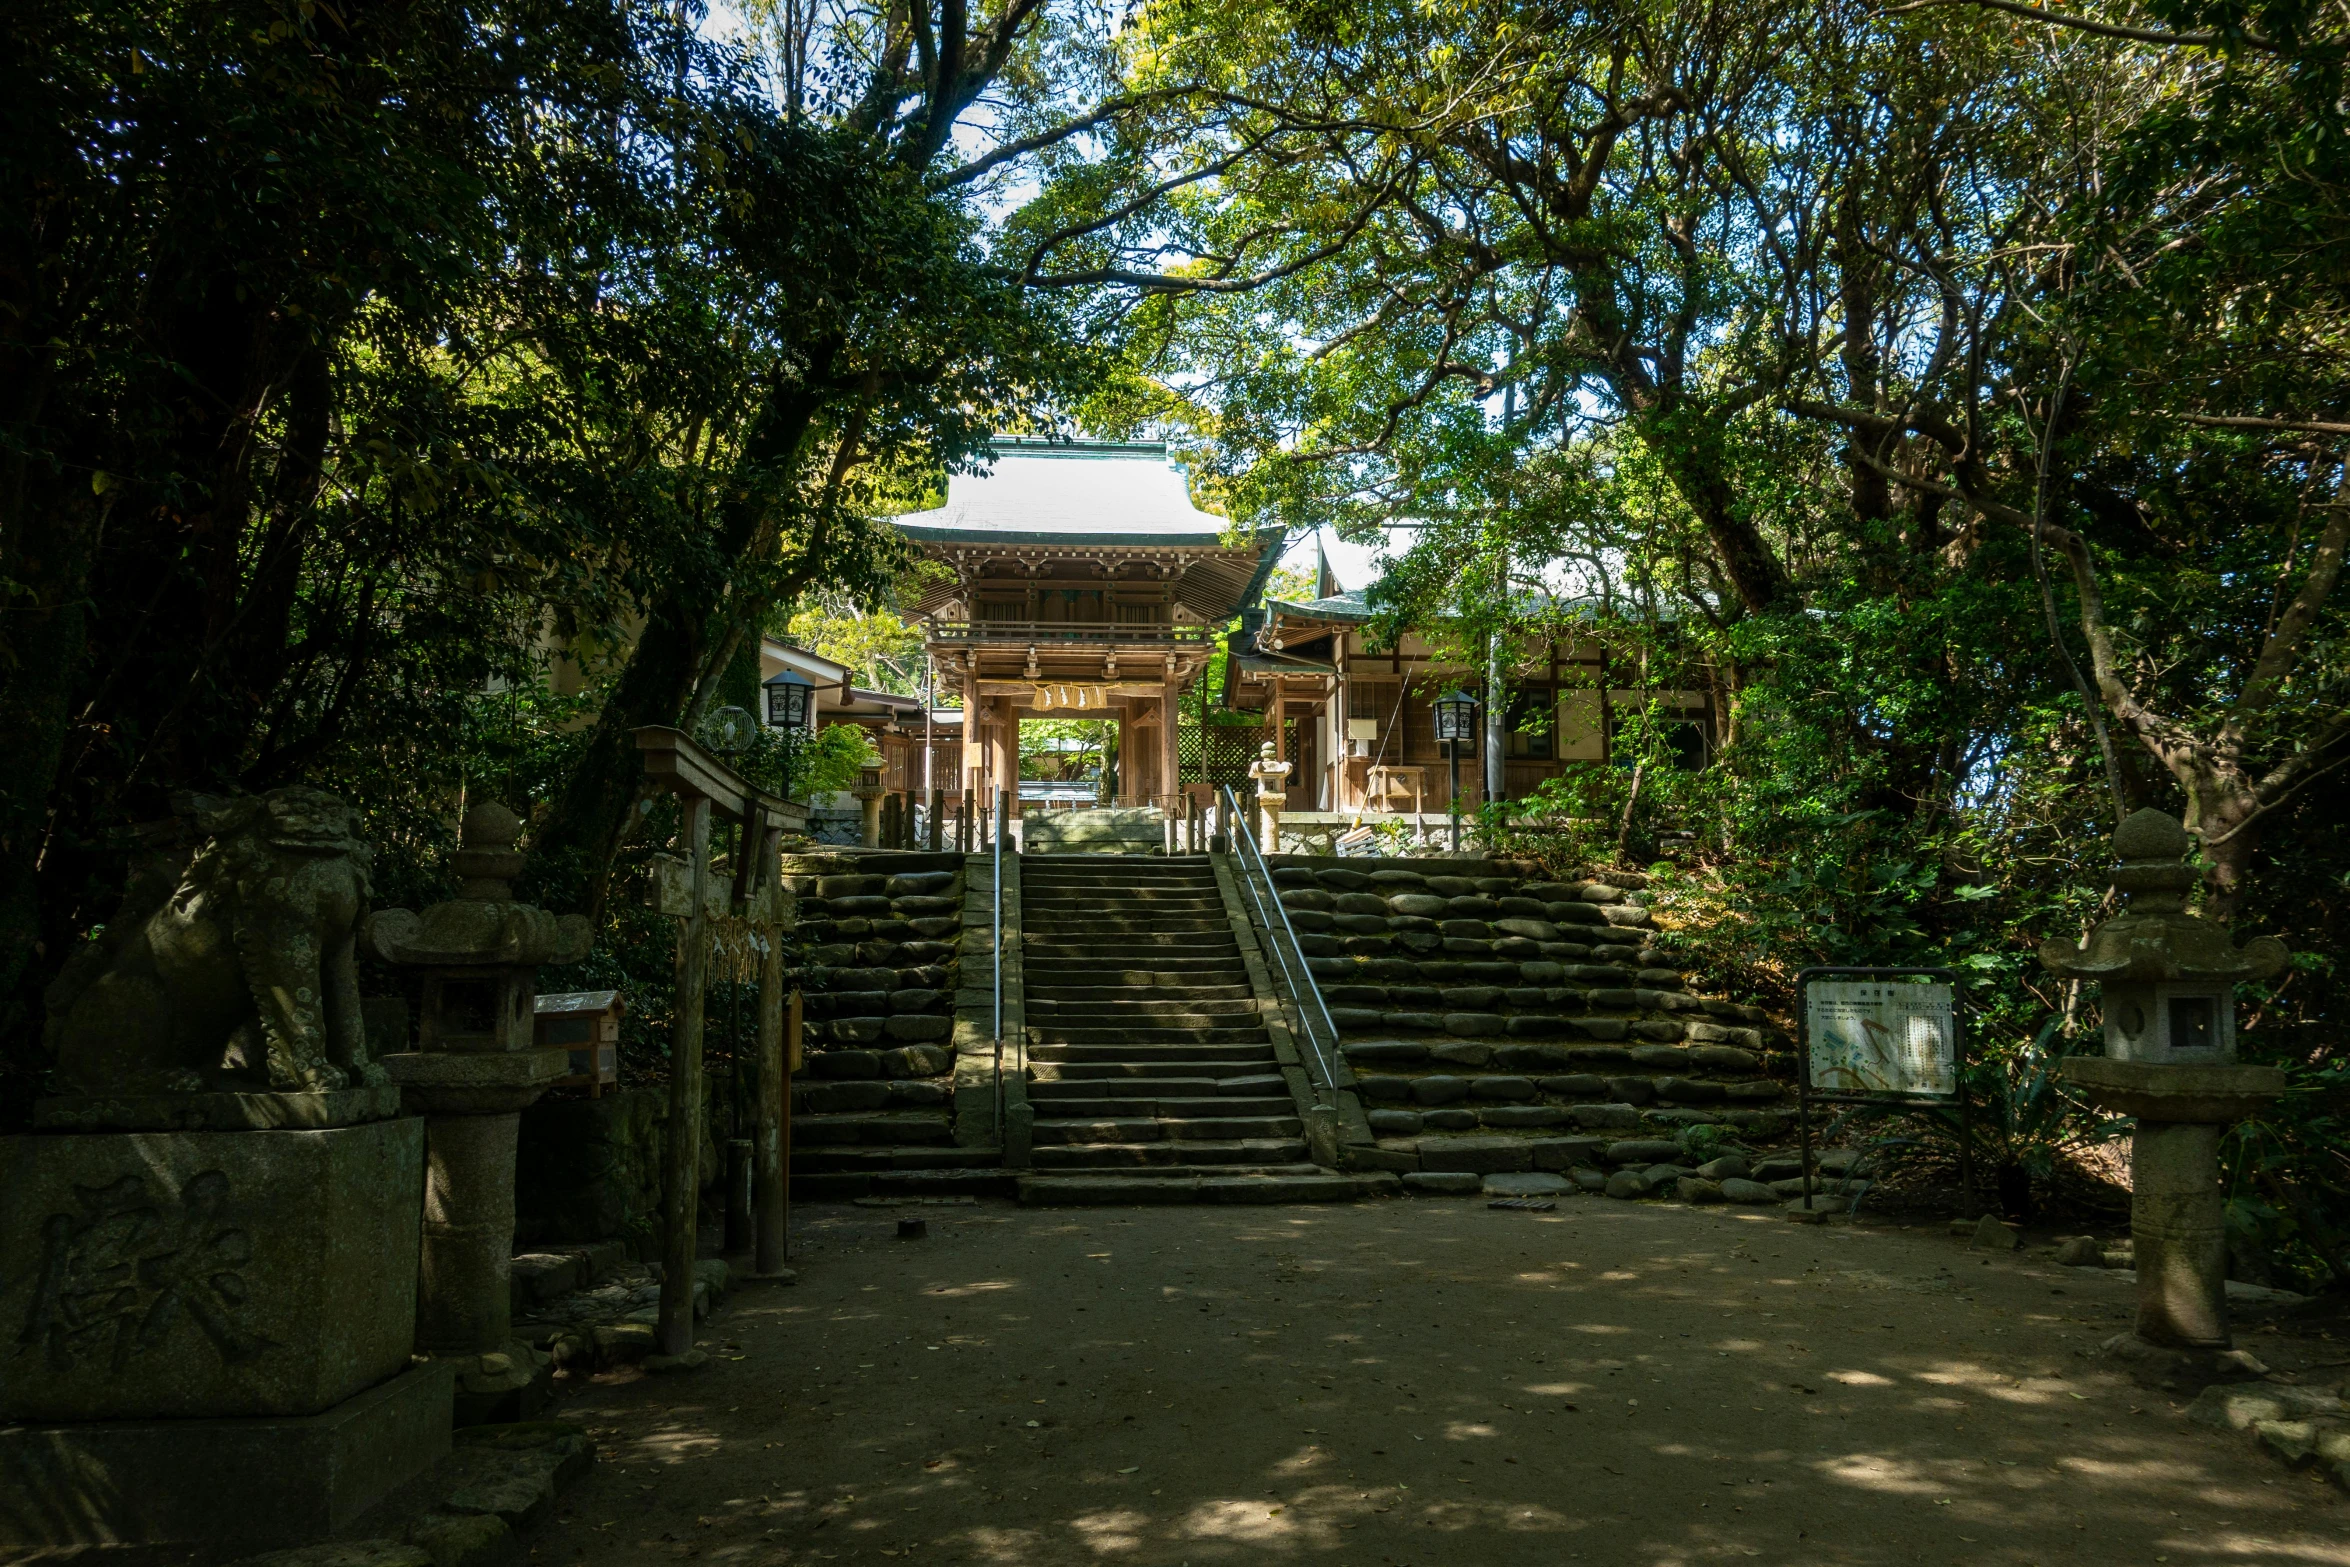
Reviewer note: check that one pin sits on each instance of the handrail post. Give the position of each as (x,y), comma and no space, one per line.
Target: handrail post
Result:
(996,934)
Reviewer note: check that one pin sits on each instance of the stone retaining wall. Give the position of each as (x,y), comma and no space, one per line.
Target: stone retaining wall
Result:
(881,934)
(1485,1011)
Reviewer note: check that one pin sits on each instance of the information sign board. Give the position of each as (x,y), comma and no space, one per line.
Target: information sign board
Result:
(1881,1037)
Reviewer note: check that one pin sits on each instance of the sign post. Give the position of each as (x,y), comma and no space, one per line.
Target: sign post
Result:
(1880,1036)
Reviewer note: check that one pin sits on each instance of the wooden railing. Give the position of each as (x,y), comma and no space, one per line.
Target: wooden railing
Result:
(1046,631)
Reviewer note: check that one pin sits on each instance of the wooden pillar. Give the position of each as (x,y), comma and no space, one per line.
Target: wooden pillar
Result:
(974,761)
(1003,746)
(681,1200)
(1167,769)
(1125,794)
(771,1200)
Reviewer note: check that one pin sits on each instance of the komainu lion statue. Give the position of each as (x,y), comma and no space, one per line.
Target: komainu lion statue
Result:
(229,968)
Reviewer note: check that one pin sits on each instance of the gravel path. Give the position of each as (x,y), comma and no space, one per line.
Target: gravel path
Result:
(1418,1382)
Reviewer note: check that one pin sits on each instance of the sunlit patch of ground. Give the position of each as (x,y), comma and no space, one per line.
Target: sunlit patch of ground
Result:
(1416,1384)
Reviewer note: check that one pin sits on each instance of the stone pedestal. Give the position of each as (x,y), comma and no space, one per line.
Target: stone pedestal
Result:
(2178,1217)
(154,1274)
(239,1485)
(473,1103)
(211,1333)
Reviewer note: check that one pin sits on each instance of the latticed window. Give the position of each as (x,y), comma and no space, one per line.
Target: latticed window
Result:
(1370,698)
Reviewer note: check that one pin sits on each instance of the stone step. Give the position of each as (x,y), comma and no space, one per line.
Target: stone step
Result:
(1189,987)
(1112,969)
(901,1157)
(1049,1033)
(1105,924)
(1166,1011)
(1055,1090)
(848,1185)
(1151,1129)
(1254,1050)
(1203,895)
(1158,1155)
(1153,1072)
(1122,947)
(1110,1190)
(881,1128)
(1196,1106)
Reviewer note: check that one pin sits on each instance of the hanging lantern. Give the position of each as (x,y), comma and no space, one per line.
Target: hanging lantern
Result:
(1456,716)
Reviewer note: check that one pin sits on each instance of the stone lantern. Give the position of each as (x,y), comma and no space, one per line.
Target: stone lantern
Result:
(476,1069)
(868,794)
(2167,981)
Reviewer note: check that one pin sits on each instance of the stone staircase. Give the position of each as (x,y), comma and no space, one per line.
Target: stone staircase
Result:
(1150,1072)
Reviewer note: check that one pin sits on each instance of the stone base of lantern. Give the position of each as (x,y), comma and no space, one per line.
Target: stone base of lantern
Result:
(251,1484)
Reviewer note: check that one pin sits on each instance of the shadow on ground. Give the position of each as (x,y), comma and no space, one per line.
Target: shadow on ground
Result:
(1421,1382)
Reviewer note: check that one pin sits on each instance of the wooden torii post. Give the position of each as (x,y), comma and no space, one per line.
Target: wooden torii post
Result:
(703,784)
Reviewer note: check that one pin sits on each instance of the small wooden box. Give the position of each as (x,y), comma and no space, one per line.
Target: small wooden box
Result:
(586,1023)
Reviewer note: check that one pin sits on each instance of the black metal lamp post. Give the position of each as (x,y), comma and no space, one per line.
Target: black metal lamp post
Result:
(791,703)
(1456,720)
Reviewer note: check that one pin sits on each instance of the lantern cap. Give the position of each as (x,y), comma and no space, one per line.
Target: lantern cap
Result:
(2154,938)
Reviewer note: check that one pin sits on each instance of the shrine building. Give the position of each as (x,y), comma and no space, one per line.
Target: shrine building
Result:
(1078,581)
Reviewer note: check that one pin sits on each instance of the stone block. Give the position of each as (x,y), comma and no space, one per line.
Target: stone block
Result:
(1355,1019)
(1393,1123)
(1394,881)
(917,1060)
(1525,1183)
(1661,1030)
(1991,1235)
(1451,886)
(918,883)
(1598,1055)
(845,1063)
(1728,1167)
(1689,1090)
(1609,1028)
(1461,1052)
(1595,1118)
(1380,1088)
(1439,1090)
(351,1553)
(1385,1052)
(915,1000)
(1632,1090)
(1307,898)
(1530,1058)
(1417,903)
(1641,1150)
(1750,1193)
(930,1028)
(1472,1025)
(1361,903)
(1412,1022)
(1443,1183)
(154,1275)
(1451,1119)
(1627,1183)
(932,927)
(1564,1153)
(1696,1189)
(1761,1091)
(1537,1026)
(1515,1117)
(1725,1058)
(1482,1155)
(1355,995)
(1573,914)
(1573,1085)
(919,1091)
(2240,1407)
(1502,1088)
(232,1484)
(1467,947)
(1344,881)
(857,1030)
(538,1277)
(469,1540)
(1527,930)
(1360,924)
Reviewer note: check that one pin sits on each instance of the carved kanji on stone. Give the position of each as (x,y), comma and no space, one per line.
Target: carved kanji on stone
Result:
(118,1276)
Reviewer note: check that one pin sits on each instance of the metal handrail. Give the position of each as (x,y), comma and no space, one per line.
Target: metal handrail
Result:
(1240,830)
(996,935)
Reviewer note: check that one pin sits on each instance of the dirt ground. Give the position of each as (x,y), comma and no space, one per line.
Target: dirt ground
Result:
(1417,1383)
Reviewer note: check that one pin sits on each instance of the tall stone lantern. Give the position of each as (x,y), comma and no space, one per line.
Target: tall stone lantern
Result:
(2167,981)
(476,1069)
